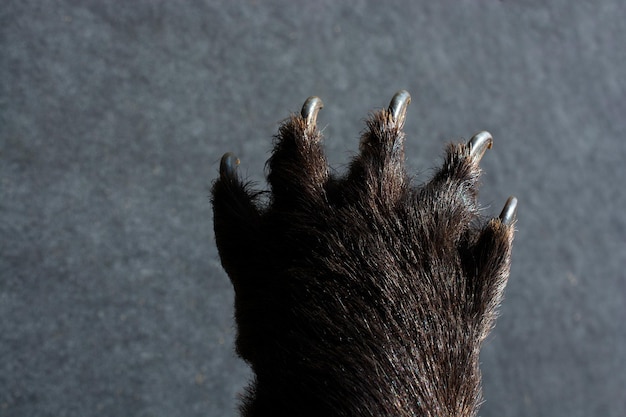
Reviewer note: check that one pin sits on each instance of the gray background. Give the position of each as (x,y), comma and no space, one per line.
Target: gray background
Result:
(114,116)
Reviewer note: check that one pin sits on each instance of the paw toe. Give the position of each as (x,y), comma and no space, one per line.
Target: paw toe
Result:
(298,168)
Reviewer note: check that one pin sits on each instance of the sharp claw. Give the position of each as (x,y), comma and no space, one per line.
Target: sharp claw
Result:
(509,211)
(479,143)
(310,108)
(228,164)
(398,106)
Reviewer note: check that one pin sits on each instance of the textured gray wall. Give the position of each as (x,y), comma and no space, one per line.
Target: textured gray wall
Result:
(113,116)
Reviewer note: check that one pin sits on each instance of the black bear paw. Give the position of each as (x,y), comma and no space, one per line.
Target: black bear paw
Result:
(362,295)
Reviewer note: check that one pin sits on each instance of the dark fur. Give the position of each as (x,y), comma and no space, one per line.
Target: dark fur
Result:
(363,295)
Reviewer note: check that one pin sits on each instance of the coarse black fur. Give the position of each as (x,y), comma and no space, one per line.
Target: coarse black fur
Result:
(362,295)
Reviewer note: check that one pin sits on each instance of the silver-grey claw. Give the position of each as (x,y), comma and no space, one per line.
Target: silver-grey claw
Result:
(509,211)
(398,106)
(479,143)
(310,109)
(228,164)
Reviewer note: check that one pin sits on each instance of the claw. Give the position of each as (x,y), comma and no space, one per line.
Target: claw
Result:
(310,108)
(479,143)
(398,106)
(509,211)
(228,164)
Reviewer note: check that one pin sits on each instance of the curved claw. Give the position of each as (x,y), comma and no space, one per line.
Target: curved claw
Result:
(228,164)
(509,211)
(479,143)
(398,106)
(310,109)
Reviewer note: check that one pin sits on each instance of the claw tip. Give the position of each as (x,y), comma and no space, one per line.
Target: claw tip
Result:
(228,163)
(398,106)
(479,143)
(509,212)
(310,109)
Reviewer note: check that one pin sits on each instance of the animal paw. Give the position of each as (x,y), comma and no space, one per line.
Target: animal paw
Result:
(363,294)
